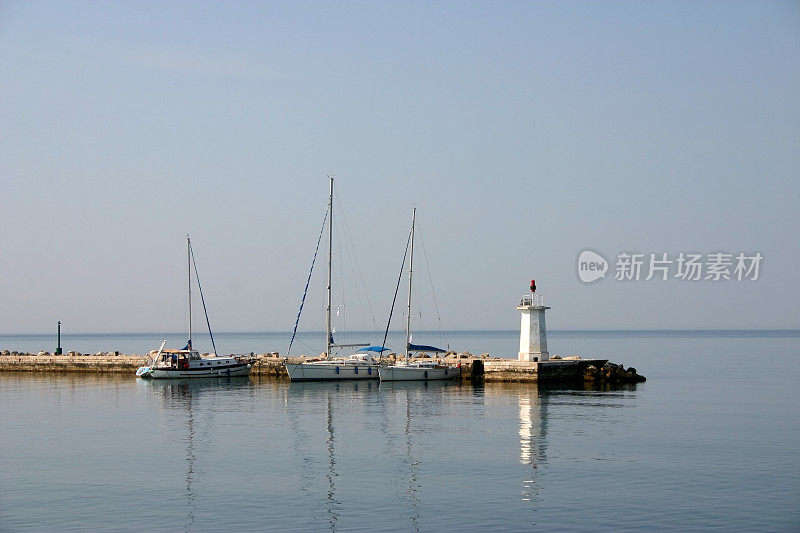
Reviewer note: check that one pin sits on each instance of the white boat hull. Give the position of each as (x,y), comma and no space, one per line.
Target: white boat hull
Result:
(173,373)
(328,371)
(418,373)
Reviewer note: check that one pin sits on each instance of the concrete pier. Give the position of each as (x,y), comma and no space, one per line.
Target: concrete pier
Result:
(267,364)
(474,369)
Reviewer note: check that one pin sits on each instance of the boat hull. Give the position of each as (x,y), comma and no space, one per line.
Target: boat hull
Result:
(418,373)
(330,371)
(242,369)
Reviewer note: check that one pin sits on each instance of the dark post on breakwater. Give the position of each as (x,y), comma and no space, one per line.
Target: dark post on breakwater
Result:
(58,349)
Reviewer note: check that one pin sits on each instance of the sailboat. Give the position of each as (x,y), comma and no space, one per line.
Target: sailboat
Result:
(187,362)
(416,370)
(360,365)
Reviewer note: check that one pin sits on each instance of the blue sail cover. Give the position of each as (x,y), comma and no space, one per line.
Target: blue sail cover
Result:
(423,348)
(378,349)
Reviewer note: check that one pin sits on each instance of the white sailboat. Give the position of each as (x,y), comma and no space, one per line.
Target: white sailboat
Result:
(187,362)
(361,365)
(417,370)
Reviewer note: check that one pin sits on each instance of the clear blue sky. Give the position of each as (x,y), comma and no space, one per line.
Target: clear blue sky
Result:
(523,132)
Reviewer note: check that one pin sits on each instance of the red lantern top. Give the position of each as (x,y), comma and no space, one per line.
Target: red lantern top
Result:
(533,285)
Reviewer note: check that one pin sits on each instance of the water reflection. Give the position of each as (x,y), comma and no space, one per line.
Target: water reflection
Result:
(333,504)
(414,487)
(301,403)
(179,394)
(182,395)
(532,437)
(422,401)
(407,415)
(533,402)
(315,456)
(191,495)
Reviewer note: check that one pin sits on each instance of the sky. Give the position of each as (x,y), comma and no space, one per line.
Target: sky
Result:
(523,133)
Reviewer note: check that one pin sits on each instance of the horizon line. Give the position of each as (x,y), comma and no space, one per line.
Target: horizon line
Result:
(575,330)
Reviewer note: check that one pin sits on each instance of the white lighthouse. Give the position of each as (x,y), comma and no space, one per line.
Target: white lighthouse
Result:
(533,330)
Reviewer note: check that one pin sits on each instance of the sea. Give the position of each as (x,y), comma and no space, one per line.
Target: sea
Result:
(710,442)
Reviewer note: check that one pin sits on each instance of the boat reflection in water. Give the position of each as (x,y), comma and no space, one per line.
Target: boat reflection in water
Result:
(414,404)
(181,397)
(304,402)
(343,468)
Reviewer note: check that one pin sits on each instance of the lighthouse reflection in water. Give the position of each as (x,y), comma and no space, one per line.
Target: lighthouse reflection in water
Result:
(532,437)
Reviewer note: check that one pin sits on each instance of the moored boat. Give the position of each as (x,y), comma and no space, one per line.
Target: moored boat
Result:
(360,365)
(171,364)
(419,371)
(409,370)
(187,362)
(357,366)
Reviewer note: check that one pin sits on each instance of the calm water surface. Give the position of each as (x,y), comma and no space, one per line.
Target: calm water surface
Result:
(710,441)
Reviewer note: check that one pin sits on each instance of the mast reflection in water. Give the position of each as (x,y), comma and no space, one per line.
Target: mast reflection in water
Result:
(177,397)
(333,505)
(302,408)
(419,403)
(411,498)
(180,399)
(191,496)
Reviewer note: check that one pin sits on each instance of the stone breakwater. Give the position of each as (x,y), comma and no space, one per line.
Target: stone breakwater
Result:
(45,362)
(271,365)
(266,364)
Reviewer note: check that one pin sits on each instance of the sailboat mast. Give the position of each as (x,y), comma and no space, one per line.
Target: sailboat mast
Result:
(189,266)
(330,261)
(410,274)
